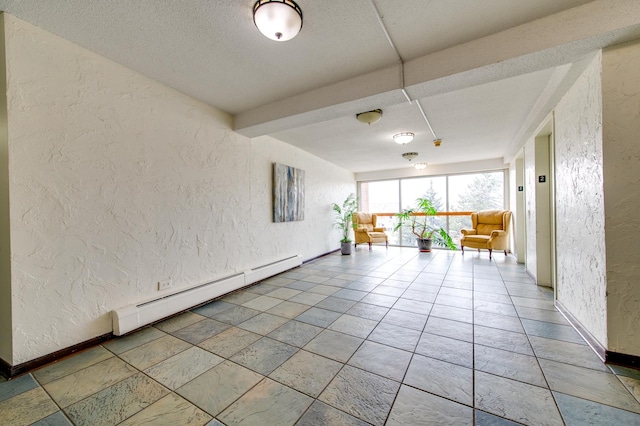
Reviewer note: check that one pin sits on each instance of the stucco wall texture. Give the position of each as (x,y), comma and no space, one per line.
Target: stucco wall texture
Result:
(530,206)
(621,150)
(117,182)
(580,239)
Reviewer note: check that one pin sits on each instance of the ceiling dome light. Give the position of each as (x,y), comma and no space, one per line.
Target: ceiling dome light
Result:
(279,20)
(437,142)
(409,155)
(403,138)
(420,166)
(370,117)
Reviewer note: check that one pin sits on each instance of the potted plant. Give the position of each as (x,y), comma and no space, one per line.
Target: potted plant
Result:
(426,235)
(344,221)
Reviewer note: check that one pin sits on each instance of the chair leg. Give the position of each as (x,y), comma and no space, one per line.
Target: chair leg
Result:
(505,252)
(490,250)
(478,250)
(462,248)
(386,243)
(369,245)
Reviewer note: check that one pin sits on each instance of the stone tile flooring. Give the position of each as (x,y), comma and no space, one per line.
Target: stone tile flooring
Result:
(387,336)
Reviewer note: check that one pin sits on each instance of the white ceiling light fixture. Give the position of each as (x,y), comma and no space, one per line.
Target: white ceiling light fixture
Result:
(369,117)
(403,138)
(409,155)
(420,166)
(279,20)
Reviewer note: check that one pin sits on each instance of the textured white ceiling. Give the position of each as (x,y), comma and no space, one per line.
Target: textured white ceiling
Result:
(479,98)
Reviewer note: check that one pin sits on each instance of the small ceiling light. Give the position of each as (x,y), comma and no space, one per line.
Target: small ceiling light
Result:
(279,20)
(409,155)
(437,142)
(420,166)
(403,138)
(370,117)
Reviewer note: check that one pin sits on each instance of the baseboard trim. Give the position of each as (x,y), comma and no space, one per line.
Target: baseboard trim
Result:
(605,355)
(319,256)
(528,272)
(623,359)
(10,371)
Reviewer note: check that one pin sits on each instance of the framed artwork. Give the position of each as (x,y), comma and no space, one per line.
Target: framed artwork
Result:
(288,193)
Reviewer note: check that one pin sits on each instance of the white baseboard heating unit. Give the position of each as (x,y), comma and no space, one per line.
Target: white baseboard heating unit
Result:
(265,271)
(129,318)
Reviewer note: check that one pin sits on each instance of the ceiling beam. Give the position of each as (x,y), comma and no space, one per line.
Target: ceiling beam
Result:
(551,41)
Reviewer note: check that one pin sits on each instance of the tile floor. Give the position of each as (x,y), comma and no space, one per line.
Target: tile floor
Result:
(389,337)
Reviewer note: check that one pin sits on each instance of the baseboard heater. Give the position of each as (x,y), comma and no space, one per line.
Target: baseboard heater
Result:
(265,271)
(132,317)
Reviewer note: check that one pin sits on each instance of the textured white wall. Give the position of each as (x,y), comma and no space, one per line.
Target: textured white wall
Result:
(543,212)
(621,147)
(117,182)
(581,259)
(6,351)
(530,206)
(519,228)
(325,183)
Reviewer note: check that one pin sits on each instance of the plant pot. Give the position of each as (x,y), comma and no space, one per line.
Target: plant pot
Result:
(424,244)
(345,248)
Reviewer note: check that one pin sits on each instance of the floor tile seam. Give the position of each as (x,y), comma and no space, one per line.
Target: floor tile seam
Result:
(637,398)
(162,360)
(402,383)
(498,328)
(171,392)
(446,336)
(73,372)
(39,385)
(513,379)
(443,397)
(553,392)
(110,386)
(520,319)
(473,342)
(552,324)
(544,299)
(537,362)
(204,317)
(302,392)
(559,340)
(232,402)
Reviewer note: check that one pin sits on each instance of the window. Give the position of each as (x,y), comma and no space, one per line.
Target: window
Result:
(454,193)
(382,197)
(433,188)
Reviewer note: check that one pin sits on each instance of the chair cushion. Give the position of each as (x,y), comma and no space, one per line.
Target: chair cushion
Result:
(376,237)
(485,229)
(364,220)
(483,239)
(489,220)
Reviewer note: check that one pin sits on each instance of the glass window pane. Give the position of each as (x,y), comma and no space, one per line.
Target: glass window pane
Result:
(468,192)
(478,191)
(473,192)
(381,197)
(433,188)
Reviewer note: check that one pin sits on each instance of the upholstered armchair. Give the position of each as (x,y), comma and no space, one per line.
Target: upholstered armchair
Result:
(490,231)
(366,231)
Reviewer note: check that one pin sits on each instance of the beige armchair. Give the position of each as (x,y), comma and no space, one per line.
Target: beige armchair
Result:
(490,231)
(366,231)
